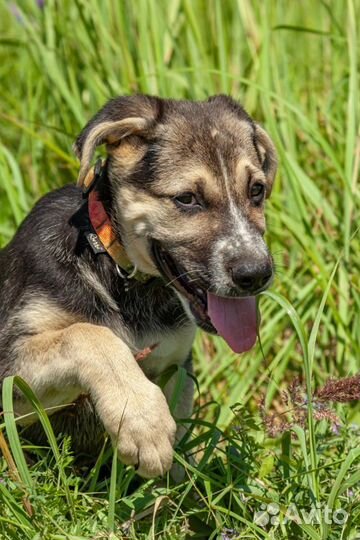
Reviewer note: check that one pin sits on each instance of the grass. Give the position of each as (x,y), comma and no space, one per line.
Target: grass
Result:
(295,67)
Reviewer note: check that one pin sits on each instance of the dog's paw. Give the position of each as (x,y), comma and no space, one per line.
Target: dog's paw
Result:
(144,431)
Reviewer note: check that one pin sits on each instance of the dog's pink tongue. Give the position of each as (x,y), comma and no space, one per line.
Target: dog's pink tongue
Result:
(234,319)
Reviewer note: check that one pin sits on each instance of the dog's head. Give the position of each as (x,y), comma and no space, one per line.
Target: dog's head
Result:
(188,183)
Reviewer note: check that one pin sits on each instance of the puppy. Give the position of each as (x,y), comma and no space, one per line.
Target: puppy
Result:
(163,236)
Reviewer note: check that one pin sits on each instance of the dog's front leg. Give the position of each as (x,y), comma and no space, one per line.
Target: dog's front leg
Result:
(92,359)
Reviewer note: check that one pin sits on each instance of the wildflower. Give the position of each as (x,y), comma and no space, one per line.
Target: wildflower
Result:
(340,390)
(295,399)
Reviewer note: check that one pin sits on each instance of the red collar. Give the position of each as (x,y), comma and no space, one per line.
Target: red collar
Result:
(105,232)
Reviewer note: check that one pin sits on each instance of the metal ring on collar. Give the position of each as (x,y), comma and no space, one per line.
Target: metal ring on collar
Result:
(127,276)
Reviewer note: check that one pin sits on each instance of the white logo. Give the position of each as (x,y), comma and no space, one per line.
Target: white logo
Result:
(270,515)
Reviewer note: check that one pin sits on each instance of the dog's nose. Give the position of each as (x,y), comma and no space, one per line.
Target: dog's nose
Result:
(251,276)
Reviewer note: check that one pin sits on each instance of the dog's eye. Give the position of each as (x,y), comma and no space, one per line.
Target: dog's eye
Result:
(187,200)
(257,192)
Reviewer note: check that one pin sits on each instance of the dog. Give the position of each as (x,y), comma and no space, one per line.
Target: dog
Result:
(163,236)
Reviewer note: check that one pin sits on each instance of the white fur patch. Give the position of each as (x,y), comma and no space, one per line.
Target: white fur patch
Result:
(94,283)
(173,349)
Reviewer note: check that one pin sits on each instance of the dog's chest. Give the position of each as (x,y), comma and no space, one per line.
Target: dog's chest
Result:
(154,319)
(168,348)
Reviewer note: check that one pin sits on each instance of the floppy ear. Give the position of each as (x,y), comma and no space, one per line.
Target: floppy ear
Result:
(267,154)
(119,118)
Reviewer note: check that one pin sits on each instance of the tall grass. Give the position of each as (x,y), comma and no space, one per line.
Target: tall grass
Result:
(295,67)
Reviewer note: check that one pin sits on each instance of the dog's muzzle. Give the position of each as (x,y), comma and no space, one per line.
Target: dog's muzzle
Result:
(234,318)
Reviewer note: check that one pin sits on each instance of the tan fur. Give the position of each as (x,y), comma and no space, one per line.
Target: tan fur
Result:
(138,216)
(91,359)
(106,132)
(41,315)
(127,154)
(192,175)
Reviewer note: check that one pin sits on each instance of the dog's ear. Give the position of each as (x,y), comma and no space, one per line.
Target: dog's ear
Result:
(267,155)
(119,118)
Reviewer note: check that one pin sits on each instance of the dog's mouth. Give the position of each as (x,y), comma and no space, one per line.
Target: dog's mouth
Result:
(235,319)
(194,290)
